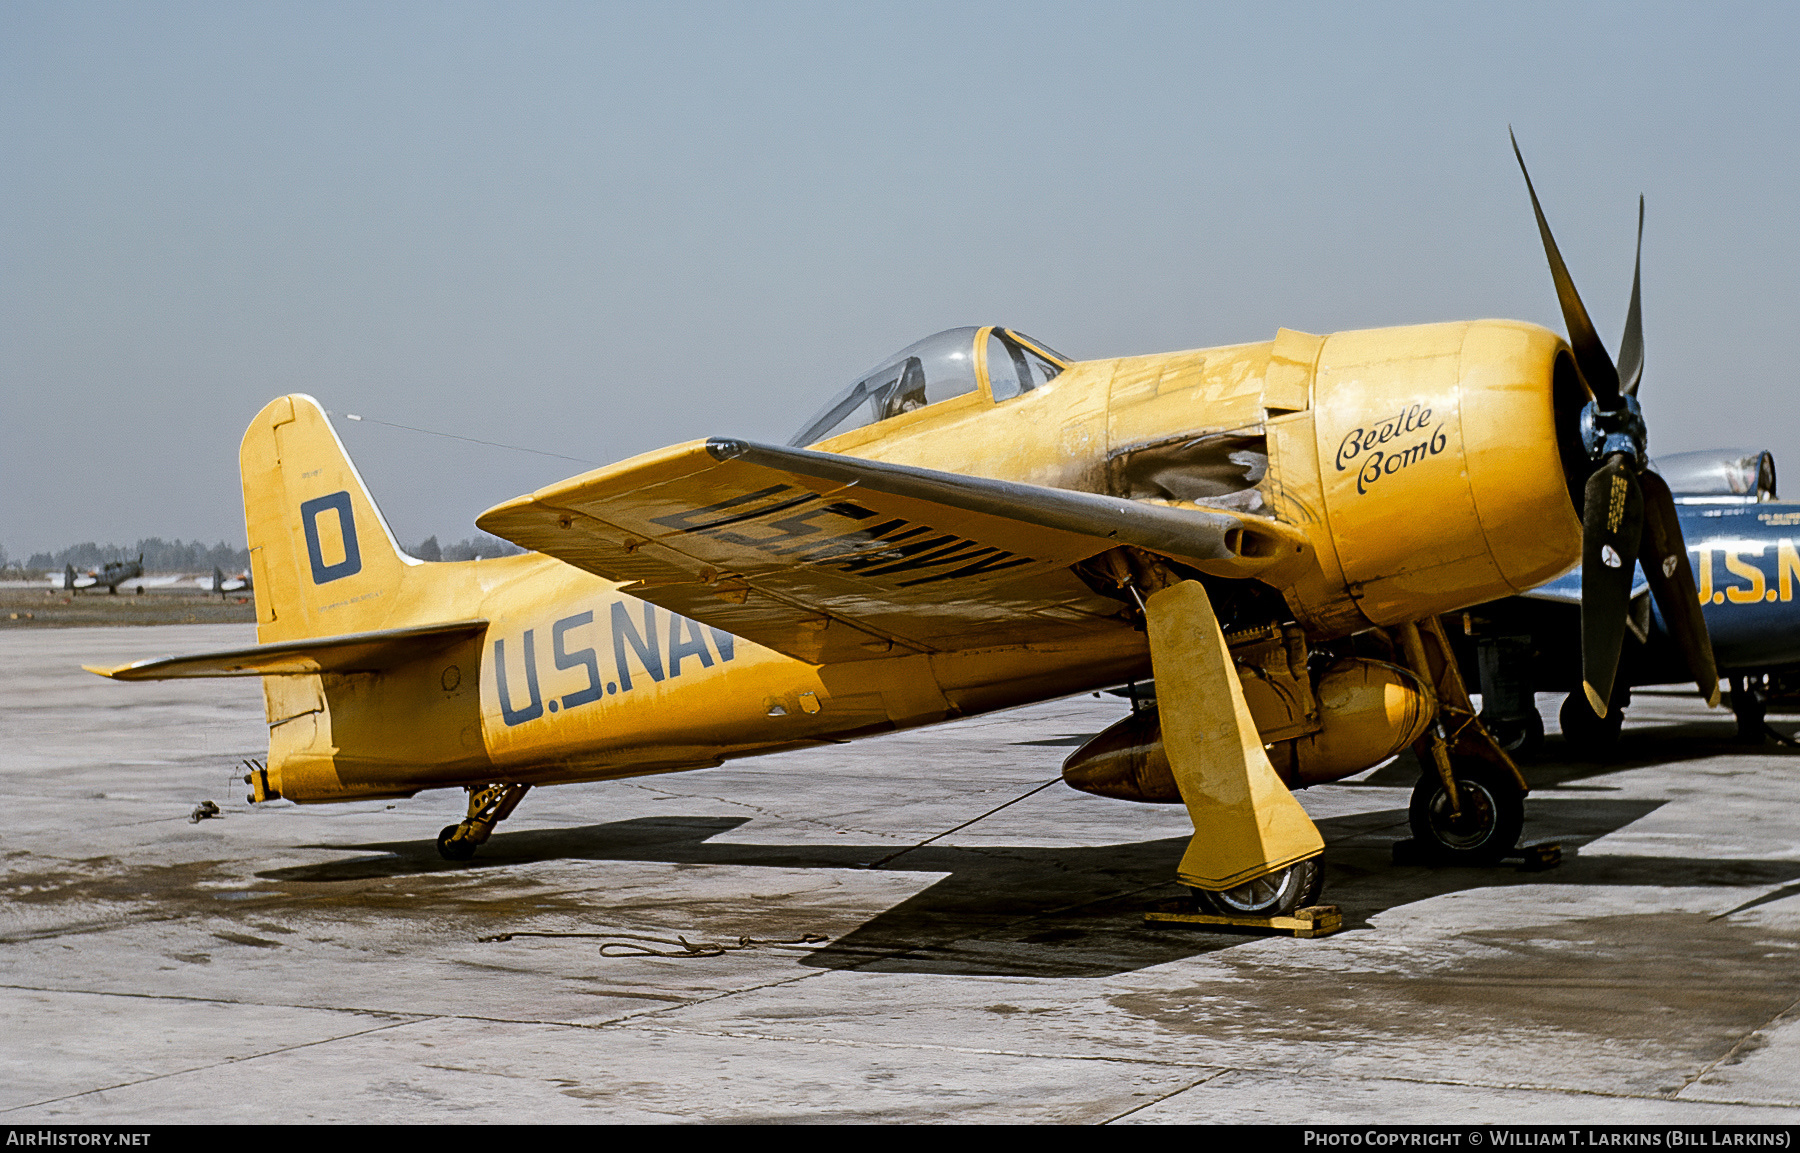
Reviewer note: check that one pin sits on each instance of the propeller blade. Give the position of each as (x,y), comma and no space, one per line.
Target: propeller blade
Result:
(1664,556)
(1590,355)
(1631,345)
(1612,524)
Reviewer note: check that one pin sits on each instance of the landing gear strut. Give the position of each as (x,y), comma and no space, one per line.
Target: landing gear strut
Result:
(487,808)
(1469,805)
(1508,706)
(1752,713)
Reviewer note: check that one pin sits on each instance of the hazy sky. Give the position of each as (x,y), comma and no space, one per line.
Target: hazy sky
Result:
(597,229)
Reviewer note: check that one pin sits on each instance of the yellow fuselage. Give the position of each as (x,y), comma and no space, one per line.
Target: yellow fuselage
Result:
(1423,465)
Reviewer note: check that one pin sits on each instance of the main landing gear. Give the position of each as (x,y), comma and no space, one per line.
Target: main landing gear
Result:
(1469,805)
(1480,825)
(487,807)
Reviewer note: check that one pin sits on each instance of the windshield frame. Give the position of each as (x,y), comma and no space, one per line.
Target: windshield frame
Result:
(884,383)
(883,386)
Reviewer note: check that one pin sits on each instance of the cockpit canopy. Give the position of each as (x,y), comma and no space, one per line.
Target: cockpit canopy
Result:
(1747,474)
(937,368)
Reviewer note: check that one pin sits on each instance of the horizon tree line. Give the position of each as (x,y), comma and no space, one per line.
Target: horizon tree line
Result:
(177,556)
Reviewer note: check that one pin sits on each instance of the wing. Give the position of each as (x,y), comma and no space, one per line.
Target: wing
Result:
(826,557)
(350,653)
(1566,589)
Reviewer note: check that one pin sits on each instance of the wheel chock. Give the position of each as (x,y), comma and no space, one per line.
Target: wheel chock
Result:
(1537,858)
(1525,858)
(1311,921)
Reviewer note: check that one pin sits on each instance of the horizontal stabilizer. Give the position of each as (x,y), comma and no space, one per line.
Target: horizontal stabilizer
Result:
(350,653)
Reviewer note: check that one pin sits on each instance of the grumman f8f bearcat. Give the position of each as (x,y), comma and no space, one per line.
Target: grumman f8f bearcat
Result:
(1268,531)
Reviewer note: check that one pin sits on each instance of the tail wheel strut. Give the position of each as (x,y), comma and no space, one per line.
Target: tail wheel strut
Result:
(488,806)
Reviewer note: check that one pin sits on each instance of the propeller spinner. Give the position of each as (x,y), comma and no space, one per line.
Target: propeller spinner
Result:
(1627,515)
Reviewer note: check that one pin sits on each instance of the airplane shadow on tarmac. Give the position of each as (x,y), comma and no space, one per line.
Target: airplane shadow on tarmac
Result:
(1070,911)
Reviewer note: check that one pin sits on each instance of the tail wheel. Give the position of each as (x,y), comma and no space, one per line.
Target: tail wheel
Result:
(453,848)
(1483,827)
(1274,895)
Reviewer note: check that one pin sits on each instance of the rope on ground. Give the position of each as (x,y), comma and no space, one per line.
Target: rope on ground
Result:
(964,825)
(633,944)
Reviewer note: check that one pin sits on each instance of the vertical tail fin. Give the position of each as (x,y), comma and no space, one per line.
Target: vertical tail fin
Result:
(323,560)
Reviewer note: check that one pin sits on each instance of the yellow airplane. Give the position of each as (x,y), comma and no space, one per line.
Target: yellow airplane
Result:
(1269,531)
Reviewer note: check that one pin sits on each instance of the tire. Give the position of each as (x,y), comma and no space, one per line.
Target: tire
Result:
(1493,814)
(454,850)
(1586,733)
(1276,895)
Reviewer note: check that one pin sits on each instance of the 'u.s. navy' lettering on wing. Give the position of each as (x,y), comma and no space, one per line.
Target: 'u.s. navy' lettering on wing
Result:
(817,537)
(331,546)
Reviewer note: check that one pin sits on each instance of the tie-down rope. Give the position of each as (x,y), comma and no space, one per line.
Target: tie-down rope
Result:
(629,944)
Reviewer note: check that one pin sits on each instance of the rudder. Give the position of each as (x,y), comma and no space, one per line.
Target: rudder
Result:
(322,558)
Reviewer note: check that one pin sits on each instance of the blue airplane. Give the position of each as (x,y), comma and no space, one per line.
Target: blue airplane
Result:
(1741,542)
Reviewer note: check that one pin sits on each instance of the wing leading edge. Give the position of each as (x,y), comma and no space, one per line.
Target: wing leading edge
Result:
(827,557)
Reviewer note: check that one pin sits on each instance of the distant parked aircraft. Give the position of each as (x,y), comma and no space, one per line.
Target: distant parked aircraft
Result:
(109,576)
(223,584)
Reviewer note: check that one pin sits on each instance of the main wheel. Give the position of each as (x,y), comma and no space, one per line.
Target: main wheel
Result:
(1487,827)
(454,850)
(1275,895)
(1586,733)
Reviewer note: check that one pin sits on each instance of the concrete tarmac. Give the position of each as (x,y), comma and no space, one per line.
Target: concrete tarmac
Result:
(304,964)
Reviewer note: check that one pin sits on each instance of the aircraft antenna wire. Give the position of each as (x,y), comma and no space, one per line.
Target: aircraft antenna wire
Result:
(468,439)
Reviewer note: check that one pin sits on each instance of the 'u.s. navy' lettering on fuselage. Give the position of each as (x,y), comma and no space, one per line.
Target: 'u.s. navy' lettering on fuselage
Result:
(581,658)
(889,548)
(639,642)
(535,708)
(644,644)
(351,563)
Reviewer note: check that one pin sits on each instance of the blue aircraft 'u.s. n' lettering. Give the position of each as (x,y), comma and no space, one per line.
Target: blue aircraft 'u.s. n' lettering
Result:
(1746,582)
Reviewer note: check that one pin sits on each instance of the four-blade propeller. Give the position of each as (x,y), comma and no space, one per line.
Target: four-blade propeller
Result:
(1627,515)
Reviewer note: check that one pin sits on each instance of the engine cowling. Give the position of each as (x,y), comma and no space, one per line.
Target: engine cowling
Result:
(1431,470)
(1368,711)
